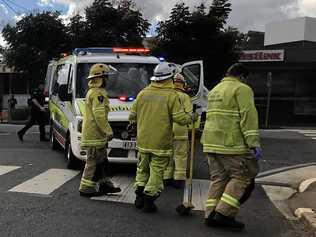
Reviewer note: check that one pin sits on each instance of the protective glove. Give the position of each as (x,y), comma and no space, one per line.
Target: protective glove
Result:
(109,137)
(257,152)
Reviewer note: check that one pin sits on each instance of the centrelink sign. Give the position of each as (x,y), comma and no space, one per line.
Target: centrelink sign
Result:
(262,56)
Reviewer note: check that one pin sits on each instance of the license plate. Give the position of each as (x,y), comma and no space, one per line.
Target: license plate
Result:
(129,145)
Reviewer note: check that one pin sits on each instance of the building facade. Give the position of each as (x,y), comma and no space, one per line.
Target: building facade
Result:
(282,62)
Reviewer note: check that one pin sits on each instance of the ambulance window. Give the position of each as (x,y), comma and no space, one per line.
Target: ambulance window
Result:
(70,79)
(60,77)
(128,80)
(192,74)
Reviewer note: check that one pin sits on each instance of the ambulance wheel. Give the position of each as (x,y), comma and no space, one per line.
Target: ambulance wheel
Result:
(53,142)
(72,161)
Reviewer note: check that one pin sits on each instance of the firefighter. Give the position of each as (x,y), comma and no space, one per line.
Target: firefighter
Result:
(175,174)
(38,114)
(96,132)
(153,112)
(231,141)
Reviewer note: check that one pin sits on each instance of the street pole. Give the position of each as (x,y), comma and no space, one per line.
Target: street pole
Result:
(269,86)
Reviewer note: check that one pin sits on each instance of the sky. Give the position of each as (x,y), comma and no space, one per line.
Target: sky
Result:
(246,14)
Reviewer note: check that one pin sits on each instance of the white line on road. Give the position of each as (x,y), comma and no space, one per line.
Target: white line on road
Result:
(46,182)
(4,169)
(5,134)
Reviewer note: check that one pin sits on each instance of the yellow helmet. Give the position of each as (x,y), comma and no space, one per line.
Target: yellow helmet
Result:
(98,70)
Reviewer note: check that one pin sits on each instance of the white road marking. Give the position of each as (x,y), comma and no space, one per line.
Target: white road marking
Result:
(46,182)
(5,134)
(305,184)
(4,169)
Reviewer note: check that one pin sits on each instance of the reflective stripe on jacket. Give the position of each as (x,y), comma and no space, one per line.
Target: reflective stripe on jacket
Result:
(232,120)
(180,132)
(155,109)
(95,127)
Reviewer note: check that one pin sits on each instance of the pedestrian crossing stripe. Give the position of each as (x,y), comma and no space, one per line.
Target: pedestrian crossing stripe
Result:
(50,180)
(45,183)
(4,169)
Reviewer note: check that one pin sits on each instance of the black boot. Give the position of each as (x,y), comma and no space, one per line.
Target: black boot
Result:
(106,188)
(227,222)
(20,135)
(149,205)
(139,201)
(209,221)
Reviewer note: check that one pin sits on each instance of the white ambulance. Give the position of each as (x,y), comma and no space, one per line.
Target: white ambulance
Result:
(67,86)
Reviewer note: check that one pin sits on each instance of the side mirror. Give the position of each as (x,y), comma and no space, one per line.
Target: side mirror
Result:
(63,93)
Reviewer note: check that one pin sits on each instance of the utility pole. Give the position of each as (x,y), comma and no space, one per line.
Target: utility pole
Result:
(269,86)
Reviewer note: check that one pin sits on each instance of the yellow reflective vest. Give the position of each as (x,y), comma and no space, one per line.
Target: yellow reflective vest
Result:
(95,127)
(155,109)
(180,132)
(232,120)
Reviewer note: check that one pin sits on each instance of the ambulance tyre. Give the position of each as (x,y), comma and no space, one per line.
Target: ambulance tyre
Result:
(53,142)
(72,161)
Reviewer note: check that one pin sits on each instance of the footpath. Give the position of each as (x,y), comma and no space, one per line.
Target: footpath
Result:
(293,191)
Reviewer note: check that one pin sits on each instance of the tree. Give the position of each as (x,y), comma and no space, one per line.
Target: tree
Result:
(200,34)
(36,39)
(109,25)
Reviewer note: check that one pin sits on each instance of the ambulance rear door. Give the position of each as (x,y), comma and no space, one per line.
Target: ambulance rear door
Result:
(194,76)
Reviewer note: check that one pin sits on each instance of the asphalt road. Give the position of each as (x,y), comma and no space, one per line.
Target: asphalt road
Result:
(64,213)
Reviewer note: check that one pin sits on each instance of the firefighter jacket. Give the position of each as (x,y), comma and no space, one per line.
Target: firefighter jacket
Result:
(155,109)
(180,132)
(232,120)
(95,127)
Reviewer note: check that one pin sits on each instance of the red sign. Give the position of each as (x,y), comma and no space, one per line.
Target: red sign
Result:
(262,56)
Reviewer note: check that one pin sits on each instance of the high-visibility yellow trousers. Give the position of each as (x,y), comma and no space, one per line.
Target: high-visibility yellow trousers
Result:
(177,167)
(150,170)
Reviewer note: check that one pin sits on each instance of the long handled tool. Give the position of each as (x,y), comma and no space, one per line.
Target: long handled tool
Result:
(186,207)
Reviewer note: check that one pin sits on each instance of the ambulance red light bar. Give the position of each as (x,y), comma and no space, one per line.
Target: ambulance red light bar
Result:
(131,50)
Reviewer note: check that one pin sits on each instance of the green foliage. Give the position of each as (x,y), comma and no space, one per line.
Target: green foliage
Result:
(200,34)
(38,38)
(33,41)
(108,24)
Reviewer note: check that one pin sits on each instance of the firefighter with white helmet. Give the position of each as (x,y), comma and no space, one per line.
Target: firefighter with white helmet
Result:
(154,111)
(96,132)
(175,174)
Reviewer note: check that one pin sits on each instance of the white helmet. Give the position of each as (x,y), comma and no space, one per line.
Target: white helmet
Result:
(164,71)
(178,78)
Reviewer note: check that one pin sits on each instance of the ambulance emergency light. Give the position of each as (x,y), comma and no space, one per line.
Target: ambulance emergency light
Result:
(84,51)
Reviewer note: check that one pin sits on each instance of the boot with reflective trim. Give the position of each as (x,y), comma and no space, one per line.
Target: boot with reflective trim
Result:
(222,221)
(139,201)
(149,205)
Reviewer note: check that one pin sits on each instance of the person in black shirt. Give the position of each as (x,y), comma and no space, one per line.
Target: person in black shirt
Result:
(37,114)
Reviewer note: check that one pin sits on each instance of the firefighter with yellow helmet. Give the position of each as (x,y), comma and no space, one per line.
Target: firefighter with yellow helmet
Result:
(175,174)
(231,140)
(96,132)
(155,109)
